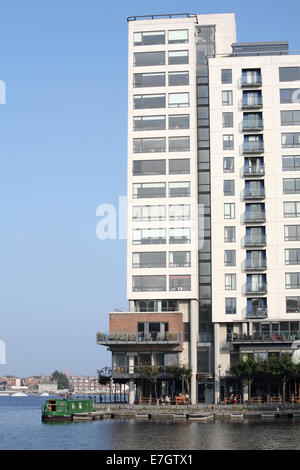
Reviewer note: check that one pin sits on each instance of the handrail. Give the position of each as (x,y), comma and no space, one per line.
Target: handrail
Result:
(166,15)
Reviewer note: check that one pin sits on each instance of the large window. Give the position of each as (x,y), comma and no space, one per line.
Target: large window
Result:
(178,57)
(180,259)
(180,283)
(148,283)
(291,209)
(144,59)
(149,101)
(155,144)
(291,233)
(291,185)
(178,100)
(149,190)
(292,280)
(291,162)
(149,123)
(179,121)
(148,38)
(141,80)
(149,260)
(179,212)
(178,36)
(180,235)
(178,78)
(179,144)
(290,140)
(149,236)
(148,213)
(292,304)
(292,256)
(289,95)
(148,167)
(289,74)
(179,189)
(290,118)
(179,166)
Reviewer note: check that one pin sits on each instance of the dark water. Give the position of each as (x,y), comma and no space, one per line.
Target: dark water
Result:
(21,428)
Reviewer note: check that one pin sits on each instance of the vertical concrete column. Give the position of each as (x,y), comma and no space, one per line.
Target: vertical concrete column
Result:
(194,314)
(131,381)
(217,361)
(131,306)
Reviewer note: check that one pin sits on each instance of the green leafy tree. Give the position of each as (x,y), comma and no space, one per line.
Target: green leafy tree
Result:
(61,379)
(104,375)
(151,374)
(248,369)
(282,367)
(183,372)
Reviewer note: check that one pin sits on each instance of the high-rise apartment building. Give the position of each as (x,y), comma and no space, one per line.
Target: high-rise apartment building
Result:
(213,197)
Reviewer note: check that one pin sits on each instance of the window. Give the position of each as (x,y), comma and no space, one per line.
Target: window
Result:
(229,258)
(179,166)
(292,304)
(178,57)
(186,331)
(148,38)
(179,144)
(149,260)
(226,76)
(179,121)
(149,236)
(180,259)
(179,189)
(180,212)
(149,101)
(203,138)
(227,99)
(292,280)
(178,78)
(178,100)
(148,213)
(144,59)
(180,235)
(148,167)
(290,139)
(251,76)
(229,210)
(252,98)
(289,74)
(149,123)
(230,282)
(291,162)
(291,233)
(228,187)
(141,80)
(291,185)
(230,305)
(202,95)
(291,209)
(179,36)
(156,144)
(180,283)
(227,119)
(149,190)
(229,234)
(203,116)
(148,283)
(289,95)
(292,256)
(228,142)
(228,165)
(290,118)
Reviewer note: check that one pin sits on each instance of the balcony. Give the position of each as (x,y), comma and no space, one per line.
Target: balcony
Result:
(256,217)
(256,265)
(278,337)
(253,125)
(254,171)
(255,82)
(257,193)
(134,372)
(138,338)
(257,240)
(253,147)
(260,289)
(252,104)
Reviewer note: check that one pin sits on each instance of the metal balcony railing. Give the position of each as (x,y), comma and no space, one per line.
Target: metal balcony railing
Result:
(145,338)
(274,337)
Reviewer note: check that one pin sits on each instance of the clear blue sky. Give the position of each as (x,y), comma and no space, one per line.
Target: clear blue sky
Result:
(62,153)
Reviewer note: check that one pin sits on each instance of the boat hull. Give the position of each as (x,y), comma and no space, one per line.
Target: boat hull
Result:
(53,418)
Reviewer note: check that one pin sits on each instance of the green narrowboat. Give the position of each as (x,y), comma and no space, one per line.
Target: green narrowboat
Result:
(63,409)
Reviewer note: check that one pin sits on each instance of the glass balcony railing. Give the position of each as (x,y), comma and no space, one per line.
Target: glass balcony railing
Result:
(135,370)
(146,338)
(254,193)
(255,240)
(252,103)
(265,337)
(251,82)
(261,288)
(259,216)
(253,124)
(255,264)
(253,147)
(258,170)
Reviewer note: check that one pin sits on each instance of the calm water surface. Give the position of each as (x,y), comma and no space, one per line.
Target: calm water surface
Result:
(21,428)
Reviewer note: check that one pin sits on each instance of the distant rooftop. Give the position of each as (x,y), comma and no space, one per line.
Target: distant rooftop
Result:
(260,48)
